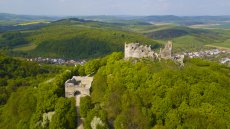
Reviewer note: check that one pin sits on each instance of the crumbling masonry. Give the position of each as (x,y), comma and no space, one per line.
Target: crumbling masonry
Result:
(78,87)
(166,53)
(135,50)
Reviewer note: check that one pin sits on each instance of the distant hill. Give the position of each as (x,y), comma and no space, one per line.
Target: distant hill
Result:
(77,39)
(9,19)
(6,18)
(186,20)
(182,20)
(83,37)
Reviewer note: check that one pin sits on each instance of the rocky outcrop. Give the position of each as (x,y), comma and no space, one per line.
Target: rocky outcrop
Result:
(46,119)
(96,122)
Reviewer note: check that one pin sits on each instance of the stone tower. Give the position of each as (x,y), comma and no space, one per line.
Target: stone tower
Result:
(166,53)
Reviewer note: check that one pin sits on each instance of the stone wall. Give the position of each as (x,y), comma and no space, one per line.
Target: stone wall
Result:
(135,50)
(78,85)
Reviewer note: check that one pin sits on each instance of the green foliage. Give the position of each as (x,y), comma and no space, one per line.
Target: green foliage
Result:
(92,66)
(65,115)
(151,94)
(85,106)
(96,112)
(49,98)
(16,73)
(126,95)
(17,112)
(33,90)
(12,39)
(79,40)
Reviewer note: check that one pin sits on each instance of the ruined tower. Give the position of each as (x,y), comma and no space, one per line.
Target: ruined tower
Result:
(166,52)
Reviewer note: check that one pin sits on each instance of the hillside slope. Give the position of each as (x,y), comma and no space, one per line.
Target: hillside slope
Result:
(126,95)
(159,95)
(78,40)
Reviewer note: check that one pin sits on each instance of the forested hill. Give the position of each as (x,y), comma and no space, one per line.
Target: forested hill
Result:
(138,94)
(159,95)
(27,90)
(77,39)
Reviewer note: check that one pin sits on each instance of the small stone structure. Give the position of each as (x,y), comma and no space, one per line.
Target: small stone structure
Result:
(135,50)
(78,86)
(166,53)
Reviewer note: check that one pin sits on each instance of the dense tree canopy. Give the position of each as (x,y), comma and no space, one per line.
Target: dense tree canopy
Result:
(135,94)
(26,95)
(12,39)
(151,94)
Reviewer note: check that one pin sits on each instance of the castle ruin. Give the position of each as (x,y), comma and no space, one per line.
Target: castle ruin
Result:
(166,52)
(135,50)
(78,86)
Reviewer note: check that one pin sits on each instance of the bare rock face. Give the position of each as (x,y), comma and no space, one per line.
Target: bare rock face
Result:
(135,50)
(166,53)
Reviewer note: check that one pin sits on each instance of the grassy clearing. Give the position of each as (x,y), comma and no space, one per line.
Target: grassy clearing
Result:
(32,23)
(26,47)
(187,42)
(212,26)
(223,45)
(149,28)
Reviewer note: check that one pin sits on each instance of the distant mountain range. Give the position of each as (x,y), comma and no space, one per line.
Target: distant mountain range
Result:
(182,20)
(11,19)
(6,16)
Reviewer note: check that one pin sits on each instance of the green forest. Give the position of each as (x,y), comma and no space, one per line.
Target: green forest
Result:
(134,94)
(64,39)
(26,94)
(159,95)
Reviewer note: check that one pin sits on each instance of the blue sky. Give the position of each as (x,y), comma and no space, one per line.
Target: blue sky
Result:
(116,7)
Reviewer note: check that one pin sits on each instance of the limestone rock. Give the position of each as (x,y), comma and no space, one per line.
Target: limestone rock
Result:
(95,122)
(47,118)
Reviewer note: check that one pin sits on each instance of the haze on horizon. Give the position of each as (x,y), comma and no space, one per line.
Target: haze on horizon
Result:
(116,7)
